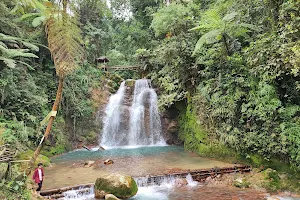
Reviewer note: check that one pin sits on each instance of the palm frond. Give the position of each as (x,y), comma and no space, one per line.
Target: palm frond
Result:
(64,41)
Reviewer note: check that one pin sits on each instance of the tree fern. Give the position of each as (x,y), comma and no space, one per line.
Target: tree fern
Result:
(208,38)
(63,34)
(11,51)
(214,28)
(64,41)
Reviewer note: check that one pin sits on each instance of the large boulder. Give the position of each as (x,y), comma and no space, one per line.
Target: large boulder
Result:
(122,186)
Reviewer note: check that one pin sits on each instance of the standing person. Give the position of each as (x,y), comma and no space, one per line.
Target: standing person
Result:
(38,176)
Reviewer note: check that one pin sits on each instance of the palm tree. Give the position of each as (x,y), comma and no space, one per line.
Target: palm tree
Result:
(64,42)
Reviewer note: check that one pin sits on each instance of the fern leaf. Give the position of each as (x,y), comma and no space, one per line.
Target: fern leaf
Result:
(11,63)
(2,44)
(29,15)
(11,39)
(38,21)
(230,16)
(8,38)
(207,38)
(13,53)
(30,46)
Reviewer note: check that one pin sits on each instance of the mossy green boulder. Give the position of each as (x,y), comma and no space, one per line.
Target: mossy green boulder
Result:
(129,82)
(122,186)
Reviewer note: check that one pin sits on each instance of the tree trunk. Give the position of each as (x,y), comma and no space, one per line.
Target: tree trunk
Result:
(49,126)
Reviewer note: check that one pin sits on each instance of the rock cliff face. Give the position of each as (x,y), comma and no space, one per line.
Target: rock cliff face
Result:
(170,126)
(135,121)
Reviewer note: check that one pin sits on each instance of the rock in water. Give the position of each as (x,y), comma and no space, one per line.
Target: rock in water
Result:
(111,197)
(108,162)
(101,148)
(122,186)
(89,163)
(100,194)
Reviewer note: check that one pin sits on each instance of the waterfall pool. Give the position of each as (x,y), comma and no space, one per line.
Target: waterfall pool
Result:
(68,169)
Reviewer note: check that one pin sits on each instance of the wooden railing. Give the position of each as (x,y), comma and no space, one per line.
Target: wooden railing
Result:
(7,155)
(133,68)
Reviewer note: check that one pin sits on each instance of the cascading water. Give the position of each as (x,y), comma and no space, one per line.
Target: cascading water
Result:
(112,120)
(190,180)
(145,127)
(141,126)
(79,194)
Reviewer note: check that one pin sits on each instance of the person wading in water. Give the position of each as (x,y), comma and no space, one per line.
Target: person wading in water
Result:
(38,176)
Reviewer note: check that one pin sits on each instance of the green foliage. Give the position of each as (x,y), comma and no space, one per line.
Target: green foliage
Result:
(10,56)
(26,155)
(21,98)
(172,19)
(273,183)
(221,24)
(16,133)
(236,61)
(191,131)
(243,78)
(14,189)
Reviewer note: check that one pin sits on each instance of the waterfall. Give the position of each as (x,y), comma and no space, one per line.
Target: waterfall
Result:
(141,126)
(112,119)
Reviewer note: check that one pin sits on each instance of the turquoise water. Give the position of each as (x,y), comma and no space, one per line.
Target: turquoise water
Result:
(69,169)
(83,154)
(142,161)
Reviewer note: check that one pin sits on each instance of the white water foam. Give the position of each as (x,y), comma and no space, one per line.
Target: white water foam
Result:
(190,181)
(77,195)
(158,188)
(130,146)
(166,181)
(154,190)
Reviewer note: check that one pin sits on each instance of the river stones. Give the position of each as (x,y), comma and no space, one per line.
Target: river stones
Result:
(108,162)
(89,163)
(122,186)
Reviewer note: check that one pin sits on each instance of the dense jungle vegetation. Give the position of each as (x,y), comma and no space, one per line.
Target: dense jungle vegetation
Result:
(230,67)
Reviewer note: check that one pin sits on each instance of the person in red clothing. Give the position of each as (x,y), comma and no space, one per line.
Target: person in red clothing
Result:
(38,176)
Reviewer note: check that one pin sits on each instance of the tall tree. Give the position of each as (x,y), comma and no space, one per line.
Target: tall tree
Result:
(64,41)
